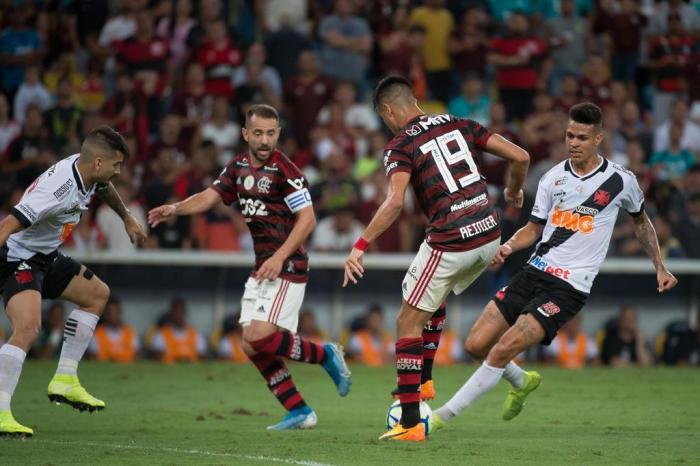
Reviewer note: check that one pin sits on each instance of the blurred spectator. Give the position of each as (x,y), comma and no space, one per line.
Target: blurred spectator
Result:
(305,94)
(679,344)
(19,46)
(468,45)
(568,93)
(625,30)
(127,112)
(21,157)
(256,82)
(114,340)
(285,44)
(170,136)
(669,245)
(493,168)
(175,28)
(673,163)
(193,103)
(48,345)
(572,348)
(473,102)
(64,121)
(176,340)
(222,130)
(9,128)
(64,66)
(308,327)
(632,129)
(568,36)
(337,190)
(663,11)
(280,13)
(31,92)
(346,40)
(438,24)
(209,11)
(90,93)
(230,342)
(543,127)
(595,84)
(111,225)
(623,343)
(687,230)
(679,117)
(119,27)
(219,57)
(519,58)
(371,344)
(338,232)
(400,46)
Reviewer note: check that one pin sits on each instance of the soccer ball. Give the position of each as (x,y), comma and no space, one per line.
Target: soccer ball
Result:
(393,416)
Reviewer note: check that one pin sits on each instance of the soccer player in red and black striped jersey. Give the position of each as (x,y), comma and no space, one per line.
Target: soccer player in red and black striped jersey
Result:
(435,155)
(273,195)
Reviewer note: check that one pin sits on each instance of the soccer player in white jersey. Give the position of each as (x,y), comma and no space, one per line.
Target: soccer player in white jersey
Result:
(574,213)
(31,268)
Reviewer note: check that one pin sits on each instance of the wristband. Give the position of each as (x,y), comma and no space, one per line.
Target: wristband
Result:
(361,244)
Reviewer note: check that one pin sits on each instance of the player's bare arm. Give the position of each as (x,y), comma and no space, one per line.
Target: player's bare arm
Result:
(646,235)
(523,238)
(8,226)
(271,268)
(195,204)
(519,161)
(386,215)
(134,229)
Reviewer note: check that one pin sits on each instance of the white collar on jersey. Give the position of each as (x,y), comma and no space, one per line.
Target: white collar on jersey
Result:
(601,167)
(78,178)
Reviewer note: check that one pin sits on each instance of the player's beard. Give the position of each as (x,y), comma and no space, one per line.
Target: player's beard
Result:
(256,153)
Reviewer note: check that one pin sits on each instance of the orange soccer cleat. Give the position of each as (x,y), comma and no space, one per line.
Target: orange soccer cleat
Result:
(427,391)
(406,434)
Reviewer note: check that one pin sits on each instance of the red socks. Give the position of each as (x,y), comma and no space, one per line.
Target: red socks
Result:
(409,366)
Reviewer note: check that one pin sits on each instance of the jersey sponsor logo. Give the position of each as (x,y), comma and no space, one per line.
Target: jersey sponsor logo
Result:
(271,168)
(296,348)
(413,130)
(430,346)
(601,197)
(572,221)
(28,211)
(544,266)
(264,184)
(561,180)
(391,166)
(63,189)
(548,309)
(51,170)
(476,228)
(251,207)
(480,200)
(249,182)
(582,209)
(434,120)
(409,364)
(66,230)
(558,193)
(278,377)
(296,183)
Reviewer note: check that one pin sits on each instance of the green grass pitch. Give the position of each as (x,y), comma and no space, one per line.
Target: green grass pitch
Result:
(216,413)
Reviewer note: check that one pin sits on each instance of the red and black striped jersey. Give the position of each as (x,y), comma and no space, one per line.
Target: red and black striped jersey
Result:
(269,197)
(438,151)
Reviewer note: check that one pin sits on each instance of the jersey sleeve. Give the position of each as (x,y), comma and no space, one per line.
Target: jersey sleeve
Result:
(40,200)
(225,184)
(395,161)
(543,202)
(480,134)
(295,188)
(633,201)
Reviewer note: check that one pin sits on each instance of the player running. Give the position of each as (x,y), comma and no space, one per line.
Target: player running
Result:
(575,210)
(31,268)
(272,194)
(434,153)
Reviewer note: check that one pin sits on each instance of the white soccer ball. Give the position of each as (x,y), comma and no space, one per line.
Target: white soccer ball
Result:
(393,416)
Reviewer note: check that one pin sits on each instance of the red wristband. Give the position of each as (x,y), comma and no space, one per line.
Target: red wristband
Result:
(361,244)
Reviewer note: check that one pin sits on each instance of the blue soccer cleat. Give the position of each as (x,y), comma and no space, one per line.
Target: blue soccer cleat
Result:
(301,418)
(337,368)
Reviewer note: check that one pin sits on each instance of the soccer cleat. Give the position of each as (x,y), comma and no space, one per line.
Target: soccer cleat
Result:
(337,368)
(437,421)
(67,389)
(427,391)
(11,428)
(301,418)
(406,434)
(516,396)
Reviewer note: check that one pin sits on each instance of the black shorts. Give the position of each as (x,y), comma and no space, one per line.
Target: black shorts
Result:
(49,274)
(550,300)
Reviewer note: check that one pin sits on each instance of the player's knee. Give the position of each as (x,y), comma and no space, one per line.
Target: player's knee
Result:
(25,334)
(475,348)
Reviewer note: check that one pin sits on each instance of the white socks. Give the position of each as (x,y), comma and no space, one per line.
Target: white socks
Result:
(481,381)
(11,360)
(514,374)
(77,334)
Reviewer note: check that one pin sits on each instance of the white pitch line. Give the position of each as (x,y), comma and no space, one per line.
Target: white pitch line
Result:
(187,451)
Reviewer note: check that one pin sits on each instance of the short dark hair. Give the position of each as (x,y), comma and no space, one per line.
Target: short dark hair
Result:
(390,86)
(262,111)
(586,113)
(107,137)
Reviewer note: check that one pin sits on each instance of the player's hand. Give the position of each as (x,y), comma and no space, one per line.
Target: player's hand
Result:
(666,280)
(135,230)
(270,269)
(515,200)
(159,214)
(503,252)
(353,267)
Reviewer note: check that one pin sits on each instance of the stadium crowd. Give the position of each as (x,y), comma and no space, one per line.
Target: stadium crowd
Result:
(175,77)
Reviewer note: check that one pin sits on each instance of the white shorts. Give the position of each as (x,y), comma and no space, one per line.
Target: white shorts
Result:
(277,302)
(433,274)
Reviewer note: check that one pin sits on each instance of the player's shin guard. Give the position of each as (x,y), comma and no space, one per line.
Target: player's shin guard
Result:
(77,334)
(431,341)
(279,380)
(409,365)
(288,344)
